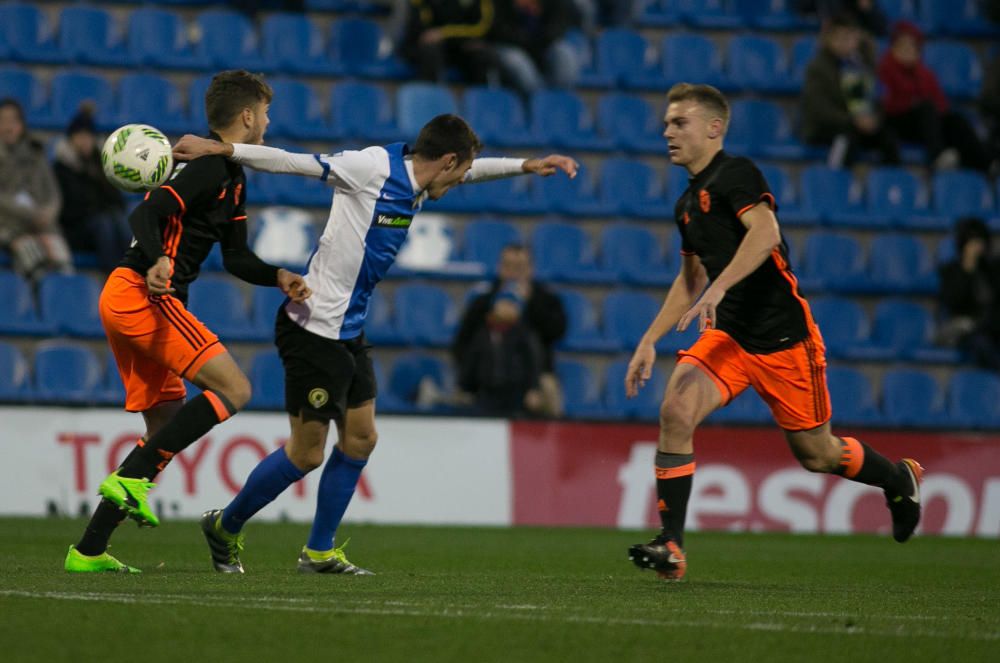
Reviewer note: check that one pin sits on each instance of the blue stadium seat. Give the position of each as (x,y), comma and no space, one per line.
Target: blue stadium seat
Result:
(690,57)
(563,252)
(69,90)
(675,340)
(15,383)
(627,316)
(632,254)
(218,302)
(196,102)
(677,182)
(112,391)
(157,38)
(426,313)
(295,112)
(228,41)
(380,325)
(154,100)
(69,304)
(621,60)
(897,10)
(747,408)
(842,323)
(22,86)
(560,119)
(711,14)
(972,399)
(265,302)
(776,15)
(784,194)
(510,195)
(760,128)
(294,44)
(957,67)
(893,195)
(899,327)
(497,116)
(362,111)
(645,406)
(581,390)
(418,103)
(582,331)
(956,193)
(832,262)
(17,315)
(485,239)
(66,373)
(832,196)
(900,264)
(912,397)
(562,195)
(406,375)
(657,13)
(88,35)
(631,123)
(852,397)
(802,52)
(962,18)
(267,380)
(28,35)
(356,45)
(757,63)
(632,188)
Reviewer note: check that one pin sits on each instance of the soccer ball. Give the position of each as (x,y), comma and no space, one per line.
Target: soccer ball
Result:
(137,157)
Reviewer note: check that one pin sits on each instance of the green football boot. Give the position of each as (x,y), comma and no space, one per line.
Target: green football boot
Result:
(329,561)
(225,547)
(77,562)
(130,495)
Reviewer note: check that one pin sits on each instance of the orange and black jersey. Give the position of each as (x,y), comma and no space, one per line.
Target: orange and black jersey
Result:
(203,202)
(764,312)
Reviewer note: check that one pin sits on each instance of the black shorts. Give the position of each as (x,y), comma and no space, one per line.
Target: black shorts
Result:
(324,377)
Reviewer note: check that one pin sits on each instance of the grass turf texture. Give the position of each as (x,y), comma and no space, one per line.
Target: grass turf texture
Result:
(500,594)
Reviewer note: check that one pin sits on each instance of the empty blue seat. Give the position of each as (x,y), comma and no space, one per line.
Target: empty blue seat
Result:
(832,262)
(896,10)
(957,193)
(112,391)
(776,15)
(627,316)
(802,53)
(69,304)
(218,302)
(957,67)
(832,196)
(295,112)
(973,396)
(356,46)
(632,188)
(265,309)
(900,263)
(893,195)
(711,14)
(852,397)
(645,406)
(406,375)
(509,195)
(88,35)
(485,239)
(758,63)
(15,384)
(22,86)
(424,314)
(18,315)
(154,100)
(196,102)
(582,331)
(157,37)
(621,59)
(692,57)
(562,252)
(842,323)
(68,90)
(380,325)
(631,123)
(760,128)
(28,35)
(267,381)
(911,397)
(294,44)
(633,254)
(899,328)
(362,111)
(228,41)
(497,116)
(784,194)
(560,119)
(418,103)
(580,388)
(657,13)
(66,373)
(962,18)
(747,408)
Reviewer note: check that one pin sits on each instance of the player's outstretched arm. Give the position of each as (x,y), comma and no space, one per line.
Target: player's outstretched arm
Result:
(485,169)
(258,157)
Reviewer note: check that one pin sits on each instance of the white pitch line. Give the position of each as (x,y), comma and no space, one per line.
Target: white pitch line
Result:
(499,612)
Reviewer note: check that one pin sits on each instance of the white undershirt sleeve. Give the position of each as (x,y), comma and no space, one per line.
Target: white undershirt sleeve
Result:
(349,170)
(493,168)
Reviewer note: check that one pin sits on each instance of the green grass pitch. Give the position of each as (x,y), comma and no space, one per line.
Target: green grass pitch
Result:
(471,594)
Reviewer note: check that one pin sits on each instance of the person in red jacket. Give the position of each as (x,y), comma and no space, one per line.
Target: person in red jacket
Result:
(917,108)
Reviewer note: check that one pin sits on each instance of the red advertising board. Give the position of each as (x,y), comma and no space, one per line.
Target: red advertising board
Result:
(602,475)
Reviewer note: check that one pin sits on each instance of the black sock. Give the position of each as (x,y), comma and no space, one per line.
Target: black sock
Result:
(95,538)
(197,417)
(674,473)
(861,463)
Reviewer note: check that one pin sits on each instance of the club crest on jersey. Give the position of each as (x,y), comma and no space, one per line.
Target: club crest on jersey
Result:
(387,221)
(704,200)
(318,398)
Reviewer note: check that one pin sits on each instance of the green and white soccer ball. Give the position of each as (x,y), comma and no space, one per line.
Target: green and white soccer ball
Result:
(137,157)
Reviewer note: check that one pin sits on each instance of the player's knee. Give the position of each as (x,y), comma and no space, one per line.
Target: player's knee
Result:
(677,417)
(818,463)
(360,444)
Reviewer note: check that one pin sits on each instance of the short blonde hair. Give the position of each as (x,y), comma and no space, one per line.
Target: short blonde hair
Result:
(706,95)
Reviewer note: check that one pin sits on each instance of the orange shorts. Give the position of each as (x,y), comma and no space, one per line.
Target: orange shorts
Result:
(792,381)
(156,341)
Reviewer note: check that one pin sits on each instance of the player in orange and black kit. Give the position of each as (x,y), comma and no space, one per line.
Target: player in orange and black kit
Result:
(155,339)
(757,331)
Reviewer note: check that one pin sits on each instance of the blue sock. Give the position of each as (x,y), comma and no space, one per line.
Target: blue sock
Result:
(268,480)
(336,488)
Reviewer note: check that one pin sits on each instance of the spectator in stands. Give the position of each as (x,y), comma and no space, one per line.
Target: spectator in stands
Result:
(989,106)
(839,105)
(440,34)
(970,296)
(541,311)
(93,215)
(915,104)
(531,50)
(29,199)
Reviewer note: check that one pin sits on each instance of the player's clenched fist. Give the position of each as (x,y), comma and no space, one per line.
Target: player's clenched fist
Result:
(293,285)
